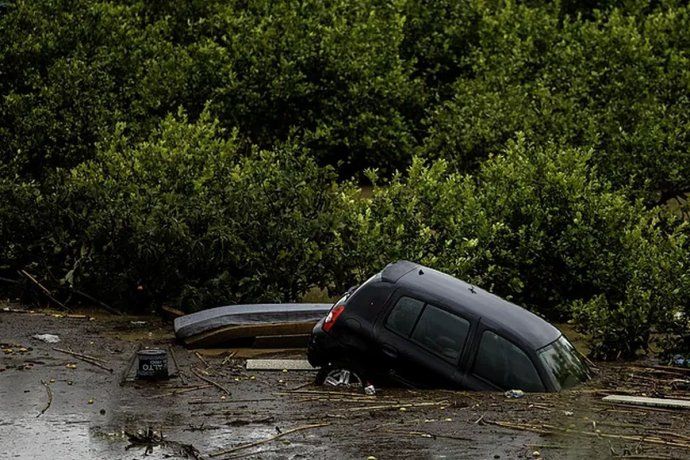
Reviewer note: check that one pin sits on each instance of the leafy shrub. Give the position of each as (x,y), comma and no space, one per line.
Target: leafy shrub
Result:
(20,209)
(331,72)
(536,225)
(613,84)
(189,218)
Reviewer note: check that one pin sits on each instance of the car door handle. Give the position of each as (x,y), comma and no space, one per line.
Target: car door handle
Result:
(390,351)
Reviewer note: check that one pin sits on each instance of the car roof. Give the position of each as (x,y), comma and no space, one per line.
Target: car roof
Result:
(510,320)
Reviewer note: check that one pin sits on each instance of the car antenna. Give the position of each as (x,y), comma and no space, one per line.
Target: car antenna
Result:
(421,272)
(471,288)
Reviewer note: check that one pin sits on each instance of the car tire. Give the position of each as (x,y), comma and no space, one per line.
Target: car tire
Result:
(341,375)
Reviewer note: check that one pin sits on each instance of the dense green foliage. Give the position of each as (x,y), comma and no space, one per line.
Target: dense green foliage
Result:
(541,228)
(199,152)
(187,218)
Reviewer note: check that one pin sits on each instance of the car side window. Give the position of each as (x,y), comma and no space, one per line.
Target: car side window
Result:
(504,364)
(441,332)
(404,315)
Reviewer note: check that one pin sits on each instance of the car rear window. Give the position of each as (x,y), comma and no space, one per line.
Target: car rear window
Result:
(404,315)
(441,332)
(505,365)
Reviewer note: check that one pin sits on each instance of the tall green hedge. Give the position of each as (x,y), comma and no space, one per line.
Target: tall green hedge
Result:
(540,227)
(366,83)
(199,152)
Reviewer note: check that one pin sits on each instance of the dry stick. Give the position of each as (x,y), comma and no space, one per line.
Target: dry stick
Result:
(44,289)
(201,358)
(8,280)
(272,438)
(327,393)
(50,398)
(228,358)
(87,359)
(180,391)
(394,406)
(103,305)
(79,355)
(177,367)
(232,401)
(426,434)
(207,380)
(647,457)
(299,387)
(548,429)
(354,396)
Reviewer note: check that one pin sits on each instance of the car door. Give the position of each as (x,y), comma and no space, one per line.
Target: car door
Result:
(498,363)
(422,343)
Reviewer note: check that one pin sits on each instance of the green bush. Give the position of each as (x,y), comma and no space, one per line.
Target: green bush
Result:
(654,301)
(614,84)
(538,226)
(102,190)
(330,72)
(190,219)
(20,209)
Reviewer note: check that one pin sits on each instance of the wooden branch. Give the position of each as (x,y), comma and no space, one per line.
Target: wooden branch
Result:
(550,429)
(79,355)
(87,359)
(393,406)
(43,289)
(177,366)
(272,438)
(8,280)
(50,398)
(180,391)
(426,434)
(208,380)
(201,358)
(231,401)
(101,304)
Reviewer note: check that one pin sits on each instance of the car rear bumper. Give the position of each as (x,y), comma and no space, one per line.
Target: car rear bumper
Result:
(323,348)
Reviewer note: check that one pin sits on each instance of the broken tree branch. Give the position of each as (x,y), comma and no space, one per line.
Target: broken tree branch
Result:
(86,358)
(179,371)
(208,380)
(50,398)
(272,438)
(79,355)
(8,280)
(201,358)
(43,289)
(180,391)
(550,429)
(101,304)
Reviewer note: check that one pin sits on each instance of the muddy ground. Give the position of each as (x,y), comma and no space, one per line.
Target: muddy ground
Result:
(95,413)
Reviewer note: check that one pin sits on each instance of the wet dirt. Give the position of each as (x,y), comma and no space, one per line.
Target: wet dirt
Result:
(93,412)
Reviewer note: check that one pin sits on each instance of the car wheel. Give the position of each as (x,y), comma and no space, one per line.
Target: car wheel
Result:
(340,376)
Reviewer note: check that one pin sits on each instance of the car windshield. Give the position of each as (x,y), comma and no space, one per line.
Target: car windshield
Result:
(562,361)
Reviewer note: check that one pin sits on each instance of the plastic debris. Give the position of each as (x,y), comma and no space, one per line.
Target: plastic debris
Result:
(370,390)
(514,394)
(47,338)
(568,413)
(681,361)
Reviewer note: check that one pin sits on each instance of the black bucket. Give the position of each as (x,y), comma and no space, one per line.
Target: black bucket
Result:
(153,364)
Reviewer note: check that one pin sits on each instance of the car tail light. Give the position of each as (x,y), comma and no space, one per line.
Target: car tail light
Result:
(332,317)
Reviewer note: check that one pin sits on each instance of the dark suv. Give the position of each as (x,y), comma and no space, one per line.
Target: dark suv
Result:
(423,328)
